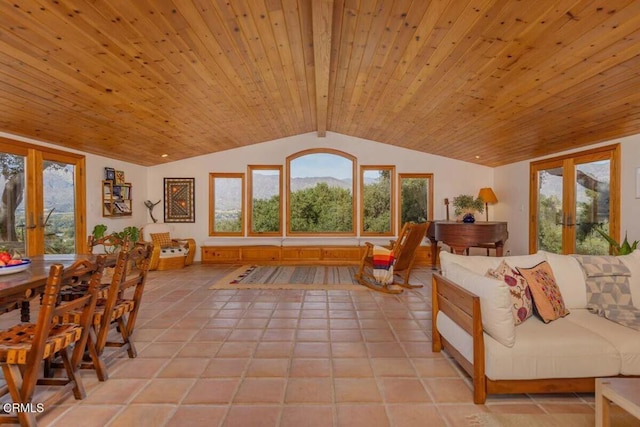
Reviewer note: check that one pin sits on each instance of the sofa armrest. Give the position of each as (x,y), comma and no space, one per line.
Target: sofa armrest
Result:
(463,308)
(190,245)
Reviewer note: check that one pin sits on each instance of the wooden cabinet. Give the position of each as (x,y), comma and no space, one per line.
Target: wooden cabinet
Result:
(301,253)
(294,255)
(220,254)
(116,199)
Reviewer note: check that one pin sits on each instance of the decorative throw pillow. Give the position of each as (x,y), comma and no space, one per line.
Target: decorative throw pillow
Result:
(545,291)
(521,303)
(161,239)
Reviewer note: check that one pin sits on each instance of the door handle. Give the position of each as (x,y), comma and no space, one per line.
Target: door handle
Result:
(32,224)
(45,221)
(569,222)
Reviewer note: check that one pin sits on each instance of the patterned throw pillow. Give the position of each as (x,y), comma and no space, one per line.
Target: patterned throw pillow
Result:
(161,239)
(545,291)
(521,303)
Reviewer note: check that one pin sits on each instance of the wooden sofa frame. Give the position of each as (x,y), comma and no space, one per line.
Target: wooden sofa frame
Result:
(463,307)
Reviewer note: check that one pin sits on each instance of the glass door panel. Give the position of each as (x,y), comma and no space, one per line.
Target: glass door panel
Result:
(592,206)
(58,216)
(573,196)
(550,212)
(12,203)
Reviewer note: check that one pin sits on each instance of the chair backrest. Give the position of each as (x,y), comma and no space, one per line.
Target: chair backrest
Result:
(408,241)
(86,271)
(109,243)
(130,271)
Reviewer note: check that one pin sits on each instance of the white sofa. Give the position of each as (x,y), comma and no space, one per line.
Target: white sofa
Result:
(472,321)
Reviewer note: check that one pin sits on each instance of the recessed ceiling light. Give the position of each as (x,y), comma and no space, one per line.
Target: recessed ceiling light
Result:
(477,157)
(164,155)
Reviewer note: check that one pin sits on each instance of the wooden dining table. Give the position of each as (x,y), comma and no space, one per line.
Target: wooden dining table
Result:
(17,289)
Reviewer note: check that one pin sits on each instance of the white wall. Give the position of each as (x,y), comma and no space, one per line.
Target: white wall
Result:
(512,188)
(451,177)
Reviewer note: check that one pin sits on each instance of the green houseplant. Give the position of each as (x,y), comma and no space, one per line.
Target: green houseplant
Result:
(113,242)
(466,205)
(623,248)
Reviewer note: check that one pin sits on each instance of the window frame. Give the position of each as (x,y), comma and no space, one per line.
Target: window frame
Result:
(302,153)
(250,170)
(212,196)
(392,173)
(429,177)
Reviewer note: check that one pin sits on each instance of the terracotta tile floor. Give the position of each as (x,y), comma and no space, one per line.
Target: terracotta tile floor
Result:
(285,358)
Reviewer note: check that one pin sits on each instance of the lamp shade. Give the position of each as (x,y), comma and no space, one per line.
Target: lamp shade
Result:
(487,195)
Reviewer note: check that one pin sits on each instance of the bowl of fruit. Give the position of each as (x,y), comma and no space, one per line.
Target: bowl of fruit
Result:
(12,264)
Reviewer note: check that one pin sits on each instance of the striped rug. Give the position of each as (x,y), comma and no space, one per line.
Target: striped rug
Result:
(316,277)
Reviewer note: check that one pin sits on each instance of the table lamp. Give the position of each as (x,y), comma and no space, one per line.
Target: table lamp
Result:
(488,196)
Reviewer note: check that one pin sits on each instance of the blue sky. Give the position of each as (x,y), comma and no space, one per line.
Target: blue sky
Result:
(321,164)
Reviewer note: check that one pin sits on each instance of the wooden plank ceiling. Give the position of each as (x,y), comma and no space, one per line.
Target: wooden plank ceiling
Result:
(504,80)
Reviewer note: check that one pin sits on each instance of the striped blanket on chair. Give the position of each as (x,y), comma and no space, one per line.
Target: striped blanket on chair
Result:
(383,265)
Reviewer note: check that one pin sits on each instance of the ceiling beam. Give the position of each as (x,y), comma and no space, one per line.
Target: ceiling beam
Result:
(322,14)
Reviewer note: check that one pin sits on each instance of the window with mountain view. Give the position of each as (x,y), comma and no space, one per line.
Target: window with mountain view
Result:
(226,200)
(265,200)
(376,205)
(416,197)
(320,189)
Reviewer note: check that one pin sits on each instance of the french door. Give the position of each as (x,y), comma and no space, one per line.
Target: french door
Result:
(42,201)
(571,196)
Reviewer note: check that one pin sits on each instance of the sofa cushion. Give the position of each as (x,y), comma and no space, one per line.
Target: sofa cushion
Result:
(561,349)
(161,239)
(495,302)
(243,241)
(521,303)
(480,264)
(569,278)
(624,339)
(546,294)
(320,241)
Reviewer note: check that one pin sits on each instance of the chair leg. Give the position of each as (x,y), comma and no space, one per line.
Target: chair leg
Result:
(362,279)
(72,374)
(13,378)
(97,362)
(126,338)
(405,280)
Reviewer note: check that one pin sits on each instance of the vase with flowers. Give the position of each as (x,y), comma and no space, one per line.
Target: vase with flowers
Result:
(467,206)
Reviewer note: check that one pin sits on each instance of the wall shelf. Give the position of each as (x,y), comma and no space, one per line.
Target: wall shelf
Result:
(116,199)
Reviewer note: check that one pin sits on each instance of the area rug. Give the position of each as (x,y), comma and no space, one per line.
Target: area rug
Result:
(618,418)
(317,277)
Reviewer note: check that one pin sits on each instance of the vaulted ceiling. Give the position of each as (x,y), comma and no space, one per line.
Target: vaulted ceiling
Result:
(485,81)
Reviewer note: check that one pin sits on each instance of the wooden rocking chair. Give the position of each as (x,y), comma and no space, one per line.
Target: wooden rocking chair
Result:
(404,251)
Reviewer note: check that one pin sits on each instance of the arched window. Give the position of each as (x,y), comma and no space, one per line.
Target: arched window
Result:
(320,189)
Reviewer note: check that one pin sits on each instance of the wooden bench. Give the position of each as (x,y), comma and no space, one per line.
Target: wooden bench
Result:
(293,250)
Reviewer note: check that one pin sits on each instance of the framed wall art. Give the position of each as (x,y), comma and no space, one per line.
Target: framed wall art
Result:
(110,174)
(119,176)
(179,200)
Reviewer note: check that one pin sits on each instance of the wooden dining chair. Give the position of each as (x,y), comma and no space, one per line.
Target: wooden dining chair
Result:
(403,250)
(118,309)
(25,346)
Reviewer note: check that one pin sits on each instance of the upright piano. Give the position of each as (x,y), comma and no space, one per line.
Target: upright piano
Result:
(461,236)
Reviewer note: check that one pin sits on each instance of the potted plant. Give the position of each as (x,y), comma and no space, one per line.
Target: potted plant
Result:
(467,205)
(623,248)
(113,242)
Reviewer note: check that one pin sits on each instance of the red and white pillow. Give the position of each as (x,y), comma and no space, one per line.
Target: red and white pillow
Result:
(521,300)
